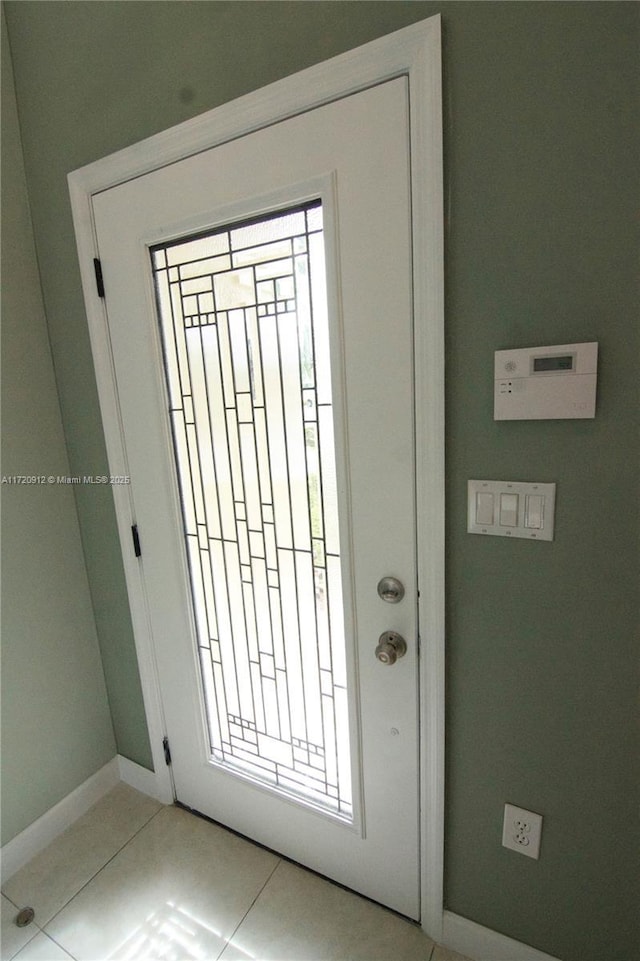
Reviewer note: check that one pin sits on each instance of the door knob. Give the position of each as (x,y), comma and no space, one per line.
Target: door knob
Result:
(390,647)
(391,590)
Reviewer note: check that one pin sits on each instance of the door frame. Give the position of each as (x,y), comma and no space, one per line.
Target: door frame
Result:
(412,52)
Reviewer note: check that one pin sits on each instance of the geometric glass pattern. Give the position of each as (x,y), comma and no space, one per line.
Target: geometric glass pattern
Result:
(245,334)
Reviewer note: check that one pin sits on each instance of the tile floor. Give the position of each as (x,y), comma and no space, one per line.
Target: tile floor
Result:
(135,881)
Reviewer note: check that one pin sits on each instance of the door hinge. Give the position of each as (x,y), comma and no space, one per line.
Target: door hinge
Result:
(136,540)
(97,266)
(167,752)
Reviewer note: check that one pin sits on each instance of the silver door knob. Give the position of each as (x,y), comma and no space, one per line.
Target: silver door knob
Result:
(390,647)
(391,590)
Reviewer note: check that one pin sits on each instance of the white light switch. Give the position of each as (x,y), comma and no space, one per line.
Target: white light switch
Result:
(508,510)
(511,509)
(484,508)
(534,511)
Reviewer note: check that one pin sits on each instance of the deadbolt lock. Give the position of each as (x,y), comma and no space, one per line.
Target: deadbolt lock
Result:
(391,590)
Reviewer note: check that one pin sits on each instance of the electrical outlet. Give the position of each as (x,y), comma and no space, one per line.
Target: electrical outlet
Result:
(521,831)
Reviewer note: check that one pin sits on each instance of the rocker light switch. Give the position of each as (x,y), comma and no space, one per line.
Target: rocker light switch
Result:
(511,509)
(508,510)
(534,511)
(484,508)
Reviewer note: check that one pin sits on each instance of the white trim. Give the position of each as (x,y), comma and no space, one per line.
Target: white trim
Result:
(483,944)
(397,54)
(142,780)
(57,819)
(413,52)
(425,99)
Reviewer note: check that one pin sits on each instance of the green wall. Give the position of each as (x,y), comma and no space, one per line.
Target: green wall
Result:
(56,728)
(541,160)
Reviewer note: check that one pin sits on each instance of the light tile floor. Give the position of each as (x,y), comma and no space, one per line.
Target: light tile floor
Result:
(135,881)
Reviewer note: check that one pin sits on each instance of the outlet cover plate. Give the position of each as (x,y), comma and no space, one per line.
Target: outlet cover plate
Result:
(522,831)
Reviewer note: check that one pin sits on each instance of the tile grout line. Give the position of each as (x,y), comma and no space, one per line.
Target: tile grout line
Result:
(57,943)
(35,935)
(24,946)
(10,900)
(50,938)
(229,940)
(94,876)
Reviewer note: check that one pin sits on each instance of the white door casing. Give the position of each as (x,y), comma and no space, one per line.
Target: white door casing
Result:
(413,53)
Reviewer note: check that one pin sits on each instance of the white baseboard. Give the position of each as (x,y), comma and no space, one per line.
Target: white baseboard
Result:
(483,944)
(142,780)
(57,819)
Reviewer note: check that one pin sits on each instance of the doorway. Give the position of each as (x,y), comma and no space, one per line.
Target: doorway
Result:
(357,385)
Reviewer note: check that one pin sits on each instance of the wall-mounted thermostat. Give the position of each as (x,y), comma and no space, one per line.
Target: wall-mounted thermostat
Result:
(546,383)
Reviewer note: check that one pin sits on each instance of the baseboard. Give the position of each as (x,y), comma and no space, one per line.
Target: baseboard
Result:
(483,944)
(142,780)
(57,819)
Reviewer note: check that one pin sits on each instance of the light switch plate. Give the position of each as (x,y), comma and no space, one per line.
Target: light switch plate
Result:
(511,509)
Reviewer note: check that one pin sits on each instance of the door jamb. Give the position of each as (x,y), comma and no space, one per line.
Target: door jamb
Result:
(413,52)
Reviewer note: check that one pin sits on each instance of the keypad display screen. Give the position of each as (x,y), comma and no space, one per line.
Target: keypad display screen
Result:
(546,364)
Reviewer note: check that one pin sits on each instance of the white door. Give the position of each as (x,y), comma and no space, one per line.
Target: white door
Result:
(259,308)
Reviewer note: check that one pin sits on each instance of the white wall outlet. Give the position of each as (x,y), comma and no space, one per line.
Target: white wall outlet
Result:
(522,831)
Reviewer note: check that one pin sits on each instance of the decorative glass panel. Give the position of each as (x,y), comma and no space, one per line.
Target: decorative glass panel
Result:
(243,314)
